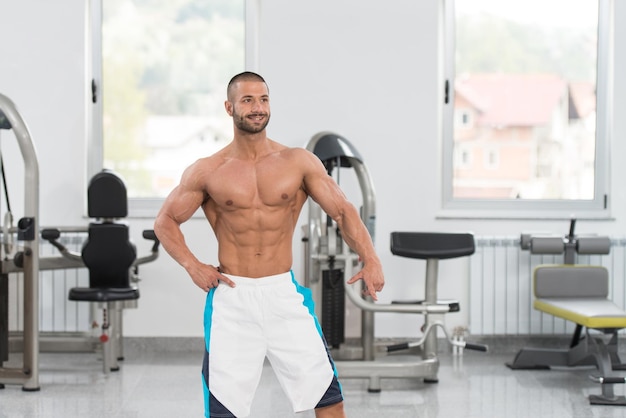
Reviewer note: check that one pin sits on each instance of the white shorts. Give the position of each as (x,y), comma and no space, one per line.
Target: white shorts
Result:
(269,317)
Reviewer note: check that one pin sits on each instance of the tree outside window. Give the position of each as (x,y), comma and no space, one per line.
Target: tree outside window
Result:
(165,66)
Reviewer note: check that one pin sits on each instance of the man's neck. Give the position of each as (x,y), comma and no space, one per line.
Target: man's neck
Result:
(251,146)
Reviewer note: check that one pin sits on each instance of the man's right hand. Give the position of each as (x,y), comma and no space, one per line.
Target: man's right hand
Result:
(207,276)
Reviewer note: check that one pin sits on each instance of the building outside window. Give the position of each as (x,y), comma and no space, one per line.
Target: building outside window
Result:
(534,77)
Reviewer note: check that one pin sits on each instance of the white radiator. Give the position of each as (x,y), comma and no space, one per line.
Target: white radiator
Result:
(56,314)
(500,293)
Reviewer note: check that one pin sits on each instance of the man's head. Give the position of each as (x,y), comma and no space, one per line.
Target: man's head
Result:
(248,102)
(244,76)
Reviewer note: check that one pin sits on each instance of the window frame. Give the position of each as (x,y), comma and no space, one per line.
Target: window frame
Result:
(596,208)
(139,207)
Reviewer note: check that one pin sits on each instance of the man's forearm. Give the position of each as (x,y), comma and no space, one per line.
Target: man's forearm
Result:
(173,241)
(356,235)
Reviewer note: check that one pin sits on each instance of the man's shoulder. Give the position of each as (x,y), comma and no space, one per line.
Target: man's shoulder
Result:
(202,169)
(211,162)
(296,152)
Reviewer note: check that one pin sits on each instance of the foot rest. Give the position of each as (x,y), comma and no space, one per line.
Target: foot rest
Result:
(607,380)
(453,305)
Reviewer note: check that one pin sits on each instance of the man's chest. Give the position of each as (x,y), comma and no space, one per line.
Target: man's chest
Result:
(250,185)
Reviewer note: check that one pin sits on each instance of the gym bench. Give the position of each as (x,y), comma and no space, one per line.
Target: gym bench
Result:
(579,293)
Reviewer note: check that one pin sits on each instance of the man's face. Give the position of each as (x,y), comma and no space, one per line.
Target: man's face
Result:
(249,105)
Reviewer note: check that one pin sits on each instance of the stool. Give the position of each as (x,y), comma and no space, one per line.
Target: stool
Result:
(432,247)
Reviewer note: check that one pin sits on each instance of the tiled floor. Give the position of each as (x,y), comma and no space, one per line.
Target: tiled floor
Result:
(167,384)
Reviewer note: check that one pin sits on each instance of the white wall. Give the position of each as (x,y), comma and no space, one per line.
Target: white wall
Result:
(366,70)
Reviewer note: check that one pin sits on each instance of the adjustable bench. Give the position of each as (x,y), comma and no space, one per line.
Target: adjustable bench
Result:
(579,293)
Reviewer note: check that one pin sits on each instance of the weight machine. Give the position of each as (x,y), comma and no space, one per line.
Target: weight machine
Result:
(578,293)
(26,259)
(108,200)
(328,262)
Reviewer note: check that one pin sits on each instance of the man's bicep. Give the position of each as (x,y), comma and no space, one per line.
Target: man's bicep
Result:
(326,193)
(321,187)
(182,203)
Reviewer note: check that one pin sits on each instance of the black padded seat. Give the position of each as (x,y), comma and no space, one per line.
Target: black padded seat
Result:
(109,255)
(88,294)
(432,245)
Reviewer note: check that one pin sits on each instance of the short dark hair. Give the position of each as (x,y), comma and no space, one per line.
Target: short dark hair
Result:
(244,76)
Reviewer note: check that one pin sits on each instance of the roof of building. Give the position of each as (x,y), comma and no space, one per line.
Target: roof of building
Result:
(512,99)
(583,99)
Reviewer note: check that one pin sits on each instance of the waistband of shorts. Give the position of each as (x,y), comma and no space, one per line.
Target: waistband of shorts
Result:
(260,281)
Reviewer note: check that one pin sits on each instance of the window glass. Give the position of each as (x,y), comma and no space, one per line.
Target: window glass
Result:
(165,67)
(524,102)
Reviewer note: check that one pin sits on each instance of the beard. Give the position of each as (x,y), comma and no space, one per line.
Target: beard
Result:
(246,125)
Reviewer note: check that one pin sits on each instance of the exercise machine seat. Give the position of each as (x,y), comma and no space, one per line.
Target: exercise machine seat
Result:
(432,245)
(577,293)
(107,253)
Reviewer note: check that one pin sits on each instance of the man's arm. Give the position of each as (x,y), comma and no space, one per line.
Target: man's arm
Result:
(325,191)
(178,208)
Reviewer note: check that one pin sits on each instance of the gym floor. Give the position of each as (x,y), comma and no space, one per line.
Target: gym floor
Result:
(157,382)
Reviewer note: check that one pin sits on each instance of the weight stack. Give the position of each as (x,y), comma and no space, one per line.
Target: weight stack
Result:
(333,307)
(4,318)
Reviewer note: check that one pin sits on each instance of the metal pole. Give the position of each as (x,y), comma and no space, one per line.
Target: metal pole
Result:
(31,247)
(432,270)
(369,218)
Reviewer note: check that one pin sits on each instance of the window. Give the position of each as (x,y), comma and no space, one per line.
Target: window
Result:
(164,70)
(463,158)
(528,86)
(462,118)
(492,159)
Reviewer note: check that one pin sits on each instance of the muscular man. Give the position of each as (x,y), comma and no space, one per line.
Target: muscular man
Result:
(252,192)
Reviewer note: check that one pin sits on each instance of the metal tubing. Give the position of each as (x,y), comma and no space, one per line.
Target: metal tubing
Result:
(368,216)
(368,305)
(61,229)
(4,318)
(432,270)
(45,263)
(30,371)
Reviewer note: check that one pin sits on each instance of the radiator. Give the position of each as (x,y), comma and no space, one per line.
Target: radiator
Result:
(500,292)
(56,312)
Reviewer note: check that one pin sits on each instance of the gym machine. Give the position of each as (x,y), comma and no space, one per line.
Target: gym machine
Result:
(26,259)
(578,293)
(329,263)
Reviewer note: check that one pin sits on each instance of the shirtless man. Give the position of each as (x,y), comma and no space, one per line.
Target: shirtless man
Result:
(252,192)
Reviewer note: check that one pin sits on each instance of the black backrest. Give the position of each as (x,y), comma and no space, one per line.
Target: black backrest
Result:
(108,252)
(106,196)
